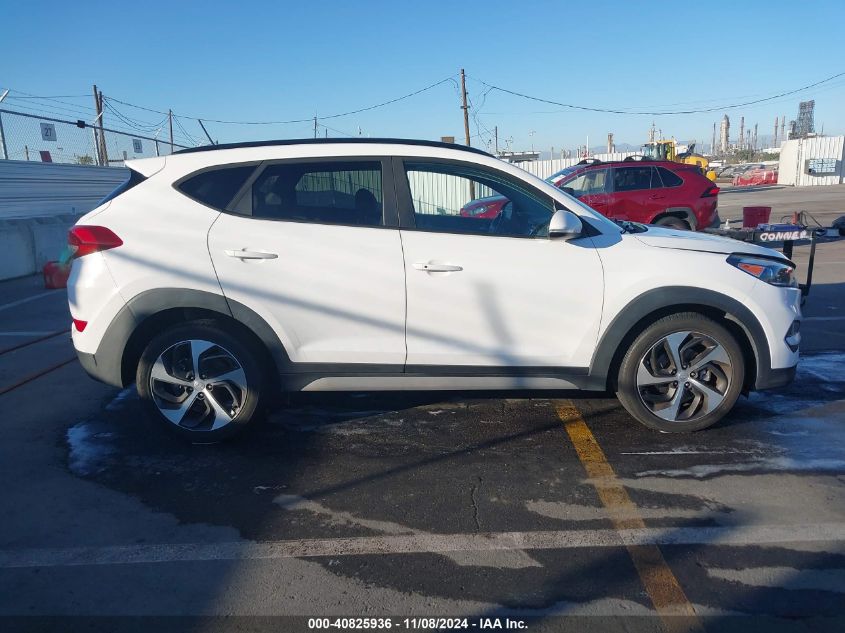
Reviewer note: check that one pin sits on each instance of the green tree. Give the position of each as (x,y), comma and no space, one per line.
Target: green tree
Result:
(85,159)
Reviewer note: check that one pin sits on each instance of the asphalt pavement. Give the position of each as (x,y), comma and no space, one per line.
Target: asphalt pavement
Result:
(551,509)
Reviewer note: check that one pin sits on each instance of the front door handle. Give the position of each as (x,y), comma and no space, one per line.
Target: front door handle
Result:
(437,268)
(245,254)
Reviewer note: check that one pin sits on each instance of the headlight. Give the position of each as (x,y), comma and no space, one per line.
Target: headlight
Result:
(775,272)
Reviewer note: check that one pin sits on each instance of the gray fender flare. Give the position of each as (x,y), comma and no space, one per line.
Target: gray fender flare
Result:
(610,346)
(106,364)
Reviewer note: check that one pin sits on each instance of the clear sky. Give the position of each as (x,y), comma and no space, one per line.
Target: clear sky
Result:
(284,60)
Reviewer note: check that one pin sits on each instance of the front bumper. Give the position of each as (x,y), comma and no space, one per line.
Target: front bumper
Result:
(774,378)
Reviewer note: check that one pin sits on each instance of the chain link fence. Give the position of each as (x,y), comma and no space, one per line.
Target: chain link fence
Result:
(32,137)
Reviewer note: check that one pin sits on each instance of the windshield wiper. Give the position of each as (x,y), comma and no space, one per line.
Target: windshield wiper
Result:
(630,227)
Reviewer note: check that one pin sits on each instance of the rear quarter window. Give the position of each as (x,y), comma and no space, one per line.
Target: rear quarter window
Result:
(216,187)
(670,179)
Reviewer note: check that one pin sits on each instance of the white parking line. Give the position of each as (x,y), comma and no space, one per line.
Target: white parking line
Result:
(422,544)
(14,304)
(827,318)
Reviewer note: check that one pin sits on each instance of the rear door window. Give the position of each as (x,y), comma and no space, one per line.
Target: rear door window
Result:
(635,178)
(333,192)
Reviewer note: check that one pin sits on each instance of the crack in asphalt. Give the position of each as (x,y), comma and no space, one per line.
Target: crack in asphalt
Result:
(473,496)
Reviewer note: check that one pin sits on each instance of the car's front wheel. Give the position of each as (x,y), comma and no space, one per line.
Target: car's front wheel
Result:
(672,222)
(682,373)
(200,380)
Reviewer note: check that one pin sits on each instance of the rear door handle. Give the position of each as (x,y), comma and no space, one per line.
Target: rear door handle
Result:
(437,268)
(245,254)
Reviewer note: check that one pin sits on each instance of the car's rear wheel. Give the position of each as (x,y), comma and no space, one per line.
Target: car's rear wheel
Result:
(672,222)
(682,373)
(201,381)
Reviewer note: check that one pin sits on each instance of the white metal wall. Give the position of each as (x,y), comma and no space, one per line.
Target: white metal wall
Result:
(795,154)
(545,168)
(34,189)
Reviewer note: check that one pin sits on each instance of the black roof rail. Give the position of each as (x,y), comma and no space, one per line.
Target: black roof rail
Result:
(589,161)
(329,141)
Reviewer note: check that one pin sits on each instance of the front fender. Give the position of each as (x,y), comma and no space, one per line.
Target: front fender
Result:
(654,304)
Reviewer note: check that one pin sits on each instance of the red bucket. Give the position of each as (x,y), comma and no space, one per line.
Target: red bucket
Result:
(754,216)
(55,275)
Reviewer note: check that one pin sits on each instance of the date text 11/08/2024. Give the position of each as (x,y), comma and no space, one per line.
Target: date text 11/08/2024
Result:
(437,624)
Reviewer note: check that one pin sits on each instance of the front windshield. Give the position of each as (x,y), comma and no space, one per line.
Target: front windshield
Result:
(555,177)
(653,151)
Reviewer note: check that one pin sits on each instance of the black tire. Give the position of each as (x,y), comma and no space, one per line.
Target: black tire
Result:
(249,396)
(673,222)
(628,391)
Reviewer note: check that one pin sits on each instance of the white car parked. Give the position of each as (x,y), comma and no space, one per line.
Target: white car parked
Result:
(218,275)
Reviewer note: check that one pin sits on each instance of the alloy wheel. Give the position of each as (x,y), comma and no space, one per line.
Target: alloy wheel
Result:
(684,376)
(198,385)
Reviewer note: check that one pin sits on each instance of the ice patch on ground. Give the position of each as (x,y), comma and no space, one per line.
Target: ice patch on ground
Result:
(765,463)
(819,379)
(89,449)
(828,367)
(119,401)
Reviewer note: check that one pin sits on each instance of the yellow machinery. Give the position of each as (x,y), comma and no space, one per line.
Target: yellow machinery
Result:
(667,150)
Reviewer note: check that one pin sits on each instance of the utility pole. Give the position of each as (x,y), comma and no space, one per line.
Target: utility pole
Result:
(102,158)
(170,123)
(464,106)
(98,106)
(2,133)
(466,124)
(496,137)
(315,126)
(206,132)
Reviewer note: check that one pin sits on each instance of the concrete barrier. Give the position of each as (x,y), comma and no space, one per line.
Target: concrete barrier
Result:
(26,244)
(39,202)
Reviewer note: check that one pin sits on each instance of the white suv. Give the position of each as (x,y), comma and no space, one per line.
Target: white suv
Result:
(218,275)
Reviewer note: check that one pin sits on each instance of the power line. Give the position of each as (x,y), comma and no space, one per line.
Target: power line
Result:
(302,120)
(659,113)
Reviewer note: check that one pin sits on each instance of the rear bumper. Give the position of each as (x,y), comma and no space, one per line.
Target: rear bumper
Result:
(715,222)
(774,378)
(100,369)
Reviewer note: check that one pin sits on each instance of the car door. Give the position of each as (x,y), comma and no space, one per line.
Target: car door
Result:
(313,248)
(632,195)
(591,187)
(492,293)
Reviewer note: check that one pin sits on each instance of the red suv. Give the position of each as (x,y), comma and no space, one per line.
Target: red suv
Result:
(652,192)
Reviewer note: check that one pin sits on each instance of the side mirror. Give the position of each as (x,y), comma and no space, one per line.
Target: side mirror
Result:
(565,224)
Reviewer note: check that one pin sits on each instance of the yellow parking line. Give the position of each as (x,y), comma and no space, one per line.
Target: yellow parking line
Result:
(663,588)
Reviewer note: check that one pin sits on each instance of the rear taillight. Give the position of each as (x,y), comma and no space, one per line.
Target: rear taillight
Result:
(84,240)
(711,192)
